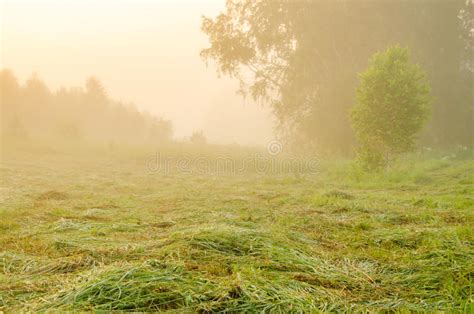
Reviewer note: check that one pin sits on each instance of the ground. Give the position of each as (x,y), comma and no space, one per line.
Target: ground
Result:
(109,234)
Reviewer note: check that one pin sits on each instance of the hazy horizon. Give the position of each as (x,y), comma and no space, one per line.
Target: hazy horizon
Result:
(352,189)
(146,53)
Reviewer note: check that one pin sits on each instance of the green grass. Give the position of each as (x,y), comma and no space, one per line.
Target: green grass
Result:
(106,234)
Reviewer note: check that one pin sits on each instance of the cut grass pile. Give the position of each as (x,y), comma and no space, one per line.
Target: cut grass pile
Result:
(89,237)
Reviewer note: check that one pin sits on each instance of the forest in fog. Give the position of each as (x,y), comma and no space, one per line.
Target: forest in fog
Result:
(300,59)
(74,115)
(359,200)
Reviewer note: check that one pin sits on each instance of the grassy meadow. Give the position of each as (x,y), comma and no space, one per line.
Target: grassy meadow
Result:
(78,234)
(238,156)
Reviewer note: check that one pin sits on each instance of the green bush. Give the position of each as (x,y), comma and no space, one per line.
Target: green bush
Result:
(393,104)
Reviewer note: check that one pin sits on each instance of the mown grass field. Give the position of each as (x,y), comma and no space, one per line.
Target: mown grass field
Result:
(106,234)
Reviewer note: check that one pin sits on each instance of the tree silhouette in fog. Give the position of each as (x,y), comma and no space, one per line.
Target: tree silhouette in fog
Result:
(302,58)
(32,111)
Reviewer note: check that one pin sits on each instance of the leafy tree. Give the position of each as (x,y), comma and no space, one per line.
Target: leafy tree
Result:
(9,104)
(393,104)
(95,88)
(161,130)
(36,91)
(302,58)
(198,138)
(9,89)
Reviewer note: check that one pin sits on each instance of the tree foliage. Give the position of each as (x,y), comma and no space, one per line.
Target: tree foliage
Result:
(33,111)
(198,138)
(393,104)
(302,58)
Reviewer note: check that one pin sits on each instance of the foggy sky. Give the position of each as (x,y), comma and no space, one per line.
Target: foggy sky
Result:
(145,52)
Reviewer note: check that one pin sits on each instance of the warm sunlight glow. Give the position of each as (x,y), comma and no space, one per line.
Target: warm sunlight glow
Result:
(146,52)
(236,156)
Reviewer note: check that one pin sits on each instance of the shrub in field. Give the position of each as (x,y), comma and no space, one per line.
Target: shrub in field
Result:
(393,104)
(198,138)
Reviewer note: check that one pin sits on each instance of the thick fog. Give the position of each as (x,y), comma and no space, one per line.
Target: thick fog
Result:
(144,52)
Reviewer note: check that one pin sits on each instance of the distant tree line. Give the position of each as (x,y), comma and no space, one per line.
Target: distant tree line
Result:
(32,111)
(302,58)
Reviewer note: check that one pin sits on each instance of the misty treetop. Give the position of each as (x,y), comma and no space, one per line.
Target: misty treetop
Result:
(32,111)
(302,58)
